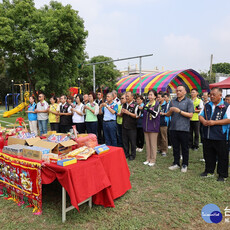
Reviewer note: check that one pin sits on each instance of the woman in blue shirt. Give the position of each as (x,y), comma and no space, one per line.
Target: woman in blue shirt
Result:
(32,116)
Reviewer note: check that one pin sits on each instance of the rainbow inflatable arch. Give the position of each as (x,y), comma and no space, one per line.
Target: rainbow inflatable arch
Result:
(163,81)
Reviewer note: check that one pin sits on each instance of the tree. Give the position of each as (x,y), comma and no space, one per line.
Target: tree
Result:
(221,68)
(42,46)
(206,76)
(106,74)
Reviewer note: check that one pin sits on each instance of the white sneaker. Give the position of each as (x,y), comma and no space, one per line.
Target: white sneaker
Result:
(203,160)
(164,154)
(146,162)
(184,169)
(140,150)
(169,147)
(173,167)
(137,149)
(151,164)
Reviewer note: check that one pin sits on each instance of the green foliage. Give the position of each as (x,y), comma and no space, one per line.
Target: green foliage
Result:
(105,74)
(206,76)
(42,46)
(221,68)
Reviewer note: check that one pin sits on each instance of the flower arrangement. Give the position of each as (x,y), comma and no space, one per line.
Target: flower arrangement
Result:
(221,106)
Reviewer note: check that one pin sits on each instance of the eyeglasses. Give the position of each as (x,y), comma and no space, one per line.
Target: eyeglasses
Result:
(39,96)
(122,98)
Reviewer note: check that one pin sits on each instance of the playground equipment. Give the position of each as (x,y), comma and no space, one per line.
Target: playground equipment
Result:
(19,107)
(15,99)
(23,88)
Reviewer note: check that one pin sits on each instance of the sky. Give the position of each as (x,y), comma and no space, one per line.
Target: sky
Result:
(180,34)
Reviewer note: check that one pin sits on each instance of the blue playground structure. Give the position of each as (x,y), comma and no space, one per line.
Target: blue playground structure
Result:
(15,100)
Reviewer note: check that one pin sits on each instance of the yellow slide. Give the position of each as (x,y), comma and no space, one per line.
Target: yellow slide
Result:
(19,107)
(15,110)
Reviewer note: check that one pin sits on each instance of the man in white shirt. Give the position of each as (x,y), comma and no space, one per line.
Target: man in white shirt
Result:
(115,98)
(42,114)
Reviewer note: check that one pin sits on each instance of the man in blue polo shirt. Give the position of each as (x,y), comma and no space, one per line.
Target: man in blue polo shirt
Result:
(109,108)
(215,118)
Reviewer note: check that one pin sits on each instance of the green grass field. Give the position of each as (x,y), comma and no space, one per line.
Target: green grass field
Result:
(159,199)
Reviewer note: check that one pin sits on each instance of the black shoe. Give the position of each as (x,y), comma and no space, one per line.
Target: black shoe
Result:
(131,158)
(220,178)
(205,174)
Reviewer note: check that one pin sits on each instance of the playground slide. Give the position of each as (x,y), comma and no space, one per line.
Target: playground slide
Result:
(15,110)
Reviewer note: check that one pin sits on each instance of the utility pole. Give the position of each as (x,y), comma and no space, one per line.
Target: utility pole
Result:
(210,72)
(140,74)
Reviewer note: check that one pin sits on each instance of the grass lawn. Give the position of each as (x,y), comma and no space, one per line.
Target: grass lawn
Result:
(159,199)
(9,122)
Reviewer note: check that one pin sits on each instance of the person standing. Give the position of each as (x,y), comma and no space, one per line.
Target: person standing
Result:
(78,115)
(32,116)
(215,118)
(42,114)
(54,117)
(109,109)
(140,134)
(129,112)
(162,139)
(194,122)
(91,109)
(227,99)
(151,127)
(65,115)
(119,121)
(181,111)
(115,98)
(167,100)
(85,99)
(100,133)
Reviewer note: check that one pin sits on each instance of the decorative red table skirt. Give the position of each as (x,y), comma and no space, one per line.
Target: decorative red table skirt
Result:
(105,177)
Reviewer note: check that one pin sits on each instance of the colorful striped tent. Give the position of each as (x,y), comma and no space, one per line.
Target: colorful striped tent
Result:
(163,81)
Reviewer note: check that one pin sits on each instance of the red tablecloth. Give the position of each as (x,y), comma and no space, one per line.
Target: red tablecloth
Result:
(105,177)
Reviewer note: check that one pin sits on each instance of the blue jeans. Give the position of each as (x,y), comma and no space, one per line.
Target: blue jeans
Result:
(110,132)
(42,125)
(91,127)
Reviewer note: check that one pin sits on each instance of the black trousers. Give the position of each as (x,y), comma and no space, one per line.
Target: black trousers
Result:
(129,138)
(140,138)
(194,128)
(100,133)
(169,136)
(212,150)
(80,127)
(54,127)
(64,128)
(180,140)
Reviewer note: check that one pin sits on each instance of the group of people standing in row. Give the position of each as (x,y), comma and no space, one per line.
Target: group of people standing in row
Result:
(157,121)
